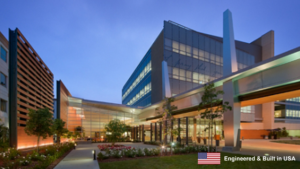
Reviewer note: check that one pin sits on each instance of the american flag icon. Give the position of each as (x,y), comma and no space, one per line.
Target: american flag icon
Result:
(209,158)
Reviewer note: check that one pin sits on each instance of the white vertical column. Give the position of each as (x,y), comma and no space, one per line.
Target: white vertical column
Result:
(231,118)
(229,51)
(165,80)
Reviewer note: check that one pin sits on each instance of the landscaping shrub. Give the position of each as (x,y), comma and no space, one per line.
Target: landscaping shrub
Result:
(25,162)
(147,152)
(100,156)
(156,151)
(13,153)
(139,153)
(34,156)
(107,152)
(131,153)
(116,154)
(177,150)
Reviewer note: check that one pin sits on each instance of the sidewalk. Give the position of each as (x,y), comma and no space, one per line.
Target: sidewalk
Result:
(81,158)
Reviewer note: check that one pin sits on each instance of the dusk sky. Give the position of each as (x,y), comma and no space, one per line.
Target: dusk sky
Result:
(94,46)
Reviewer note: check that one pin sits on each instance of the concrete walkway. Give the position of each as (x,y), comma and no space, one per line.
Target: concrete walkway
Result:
(81,158)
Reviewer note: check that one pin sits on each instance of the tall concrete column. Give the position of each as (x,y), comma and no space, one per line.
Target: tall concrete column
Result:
(268,115)
(229,52)
(231,118)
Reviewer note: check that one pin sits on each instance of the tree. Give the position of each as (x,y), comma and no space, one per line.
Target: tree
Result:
(58,128)
(115,128)
(213,106)
(78,131)
(39,124)
(3,133)
(167,116)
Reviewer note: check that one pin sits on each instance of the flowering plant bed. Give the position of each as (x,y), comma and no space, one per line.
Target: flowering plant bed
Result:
(112,147)
(126,154)
(48,157)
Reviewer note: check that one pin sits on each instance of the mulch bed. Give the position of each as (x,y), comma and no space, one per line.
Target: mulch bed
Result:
(51,166)
(111,159)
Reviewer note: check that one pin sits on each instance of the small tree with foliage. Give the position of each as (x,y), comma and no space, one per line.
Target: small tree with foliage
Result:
(116,128)
(58,128)
(167,116)
(213,106)
(78,131)
(3,137)
(39,124)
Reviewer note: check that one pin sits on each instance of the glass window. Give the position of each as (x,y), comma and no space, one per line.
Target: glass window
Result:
(182,49)
(3,105)
(168,42)
(3,79)
(3,54)
(189,74)
(182,72)
(188,50)
(175,46)
(175,71)
(195,75)
(195,53)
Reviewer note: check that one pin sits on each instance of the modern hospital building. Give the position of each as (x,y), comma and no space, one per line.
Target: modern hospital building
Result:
(262,89)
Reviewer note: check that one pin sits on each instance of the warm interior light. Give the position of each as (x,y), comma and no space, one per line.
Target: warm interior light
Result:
(163,147)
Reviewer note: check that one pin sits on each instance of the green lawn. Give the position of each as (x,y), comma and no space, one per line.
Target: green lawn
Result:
(189,161)
(296,142)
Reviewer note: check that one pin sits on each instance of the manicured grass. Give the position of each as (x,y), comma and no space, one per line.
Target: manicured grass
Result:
(296,142)
(189,161)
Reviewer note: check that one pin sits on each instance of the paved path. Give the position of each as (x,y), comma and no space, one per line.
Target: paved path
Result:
(82,157)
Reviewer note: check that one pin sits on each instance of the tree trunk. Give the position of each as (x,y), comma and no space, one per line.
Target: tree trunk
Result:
(211,140)
(209,136)
(58,139)
(38,144)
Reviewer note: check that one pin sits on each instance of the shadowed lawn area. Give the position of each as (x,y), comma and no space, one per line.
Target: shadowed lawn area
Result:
(189,161)
(296,142)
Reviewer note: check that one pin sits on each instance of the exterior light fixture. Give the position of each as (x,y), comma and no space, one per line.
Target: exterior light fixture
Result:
(94,154)
(266,154)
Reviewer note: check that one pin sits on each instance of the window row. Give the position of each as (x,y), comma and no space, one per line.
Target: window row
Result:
(146,70)
(293,113)
(3,105)
(189,76)
(140,94)
(3,79)
(3,54)
(192,52)
(247,109)
(296,99)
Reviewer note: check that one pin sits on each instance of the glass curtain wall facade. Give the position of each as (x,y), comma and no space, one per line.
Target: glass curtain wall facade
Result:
(292,110)
(194,58)
(137,90)
(192,130)
(93,119)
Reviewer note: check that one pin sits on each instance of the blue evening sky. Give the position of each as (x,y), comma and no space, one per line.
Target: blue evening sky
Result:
(94,46)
